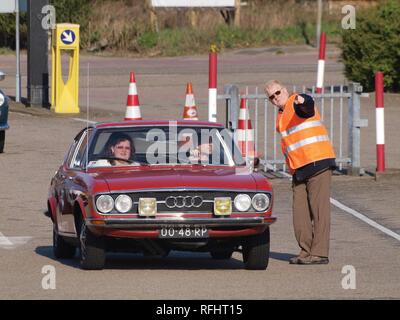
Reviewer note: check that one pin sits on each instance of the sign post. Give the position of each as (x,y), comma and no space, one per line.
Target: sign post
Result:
(65,95)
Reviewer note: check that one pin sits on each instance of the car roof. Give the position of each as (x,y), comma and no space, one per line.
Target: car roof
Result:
(140,123)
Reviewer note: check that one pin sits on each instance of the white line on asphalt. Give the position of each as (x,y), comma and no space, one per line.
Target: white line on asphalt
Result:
(12,242)
(4,241)
(84,120)
(358,215)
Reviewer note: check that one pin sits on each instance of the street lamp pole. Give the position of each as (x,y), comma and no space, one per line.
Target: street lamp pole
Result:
(17,49)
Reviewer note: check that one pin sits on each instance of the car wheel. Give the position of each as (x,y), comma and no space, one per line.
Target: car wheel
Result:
(256,251)
(221,254)
(92,253)
(2,140)
(62,249)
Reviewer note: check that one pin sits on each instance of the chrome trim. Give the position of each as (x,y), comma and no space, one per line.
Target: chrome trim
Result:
(153,222)
(77,147)
(188,125)
(183,202)
(181,190)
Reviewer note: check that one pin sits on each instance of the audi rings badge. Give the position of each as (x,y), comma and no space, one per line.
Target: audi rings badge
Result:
(184,202)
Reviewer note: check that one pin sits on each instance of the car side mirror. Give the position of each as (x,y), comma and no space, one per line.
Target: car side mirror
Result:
(256,163)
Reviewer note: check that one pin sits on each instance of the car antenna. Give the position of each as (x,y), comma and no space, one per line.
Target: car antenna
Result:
(87,117)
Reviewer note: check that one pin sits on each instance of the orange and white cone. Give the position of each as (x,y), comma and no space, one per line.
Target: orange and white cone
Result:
(132,104)
(190,110)
(244,136)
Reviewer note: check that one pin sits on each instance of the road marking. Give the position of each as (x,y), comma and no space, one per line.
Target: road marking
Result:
(4,241)
(358,215)
(367,220)
(84,120)
(12,242)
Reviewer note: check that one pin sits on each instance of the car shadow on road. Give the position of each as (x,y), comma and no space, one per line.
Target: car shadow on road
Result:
(175,260)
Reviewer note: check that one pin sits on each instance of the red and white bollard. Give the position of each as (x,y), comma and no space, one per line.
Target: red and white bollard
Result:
(380,123)
(212,87)
(321,63)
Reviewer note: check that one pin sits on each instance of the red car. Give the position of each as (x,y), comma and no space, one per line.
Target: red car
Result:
(155,186)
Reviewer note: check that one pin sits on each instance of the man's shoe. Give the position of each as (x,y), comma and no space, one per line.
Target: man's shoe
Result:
(313,260)
(296,259)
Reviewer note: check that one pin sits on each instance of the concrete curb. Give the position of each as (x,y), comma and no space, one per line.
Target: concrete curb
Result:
(387,174)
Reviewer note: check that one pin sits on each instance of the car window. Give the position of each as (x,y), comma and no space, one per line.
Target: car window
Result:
(79,156)
(72,148)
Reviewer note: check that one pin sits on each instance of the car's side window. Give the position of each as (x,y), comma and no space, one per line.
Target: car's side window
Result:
(80,150)
(72,148)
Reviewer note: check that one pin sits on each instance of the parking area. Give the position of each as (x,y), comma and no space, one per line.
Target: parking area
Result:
(38,141)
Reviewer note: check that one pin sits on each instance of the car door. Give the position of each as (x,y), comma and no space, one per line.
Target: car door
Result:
(68,186)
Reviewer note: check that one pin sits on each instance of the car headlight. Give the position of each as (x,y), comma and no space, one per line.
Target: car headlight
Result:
(123,203)
(2,99)
(242,202)
(260,202)
(105,203)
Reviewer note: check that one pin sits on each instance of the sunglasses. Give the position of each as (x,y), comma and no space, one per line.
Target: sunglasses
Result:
(277,93)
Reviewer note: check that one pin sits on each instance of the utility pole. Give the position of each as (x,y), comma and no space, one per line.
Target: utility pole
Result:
(38,73)
(17,50)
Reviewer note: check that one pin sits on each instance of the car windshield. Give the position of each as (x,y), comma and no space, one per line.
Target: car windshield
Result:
(176,145)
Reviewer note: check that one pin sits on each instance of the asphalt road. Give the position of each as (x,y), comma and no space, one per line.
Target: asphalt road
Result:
(38,141)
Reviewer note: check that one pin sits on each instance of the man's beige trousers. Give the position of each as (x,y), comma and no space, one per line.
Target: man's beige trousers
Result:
(312,214)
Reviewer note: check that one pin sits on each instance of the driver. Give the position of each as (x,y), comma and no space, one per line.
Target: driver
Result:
(118,151)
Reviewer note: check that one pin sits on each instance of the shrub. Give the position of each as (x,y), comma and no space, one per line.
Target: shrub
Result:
(374,46)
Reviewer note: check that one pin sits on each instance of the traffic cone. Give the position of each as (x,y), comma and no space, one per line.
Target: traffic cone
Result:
(190,110)
(241,132)
(132,104)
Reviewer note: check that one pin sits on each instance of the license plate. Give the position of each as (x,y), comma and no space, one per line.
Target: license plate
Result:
(183,232)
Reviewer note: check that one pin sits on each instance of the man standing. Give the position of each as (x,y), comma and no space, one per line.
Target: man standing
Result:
(310,157)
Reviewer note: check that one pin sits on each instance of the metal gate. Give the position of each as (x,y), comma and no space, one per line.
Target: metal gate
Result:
(339,107)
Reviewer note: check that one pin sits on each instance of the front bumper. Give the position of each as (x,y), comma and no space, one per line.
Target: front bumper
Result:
(157,223)
(151,228)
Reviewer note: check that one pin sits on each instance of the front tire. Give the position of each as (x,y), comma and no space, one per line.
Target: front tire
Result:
(92,253)
(62,249)
(256,251)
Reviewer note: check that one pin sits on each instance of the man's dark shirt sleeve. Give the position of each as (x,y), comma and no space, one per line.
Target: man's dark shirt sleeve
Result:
(306,109)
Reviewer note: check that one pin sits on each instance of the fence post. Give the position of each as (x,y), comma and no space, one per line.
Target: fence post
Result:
(355,124)
(232,106)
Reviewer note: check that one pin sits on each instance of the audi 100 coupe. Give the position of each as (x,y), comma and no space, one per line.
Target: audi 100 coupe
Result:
(155,186)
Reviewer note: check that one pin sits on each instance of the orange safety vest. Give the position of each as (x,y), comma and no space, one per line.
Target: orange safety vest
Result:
(302,140)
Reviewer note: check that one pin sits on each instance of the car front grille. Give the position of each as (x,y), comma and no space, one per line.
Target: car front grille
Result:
(181,201)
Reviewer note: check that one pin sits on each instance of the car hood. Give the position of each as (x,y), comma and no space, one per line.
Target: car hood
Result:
(182,178)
